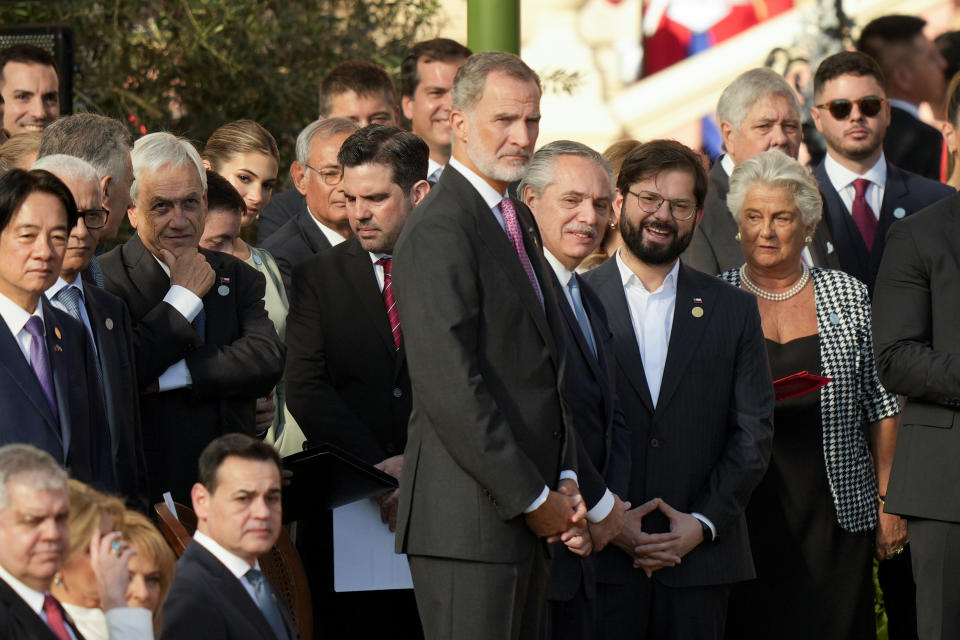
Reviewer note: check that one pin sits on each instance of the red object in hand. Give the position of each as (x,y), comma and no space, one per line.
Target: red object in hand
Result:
(798,384)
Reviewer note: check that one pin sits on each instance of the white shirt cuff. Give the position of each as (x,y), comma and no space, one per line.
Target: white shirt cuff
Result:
(176,376)
(130,623)
(566,474)
(602,509)
(705,520)
(184,301)
(539,501)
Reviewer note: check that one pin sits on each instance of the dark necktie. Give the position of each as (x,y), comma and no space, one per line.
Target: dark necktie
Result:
(55,620)
(40,361)
(512,227)
(393,314)
(863,215)
(267,602)
(581,314)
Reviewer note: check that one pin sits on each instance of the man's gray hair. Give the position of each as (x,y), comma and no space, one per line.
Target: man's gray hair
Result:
(776,169)
(68,168)
(749,87)
(26,464)
(325,128)
(540,172)
(471,79)
(103,142)
(156,150)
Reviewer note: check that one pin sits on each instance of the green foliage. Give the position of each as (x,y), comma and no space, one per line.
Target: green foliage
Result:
(189,66)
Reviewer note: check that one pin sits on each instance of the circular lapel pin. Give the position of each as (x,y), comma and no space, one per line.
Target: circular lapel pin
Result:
(697,312)
(223,290)
(109,324)
(834,318)
(899,212)
(257,259)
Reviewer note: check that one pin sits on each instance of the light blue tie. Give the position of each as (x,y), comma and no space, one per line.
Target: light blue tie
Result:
(581,314)
(267,603)
(71,298)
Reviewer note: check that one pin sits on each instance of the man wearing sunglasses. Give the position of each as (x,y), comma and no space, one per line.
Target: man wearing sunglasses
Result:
(107,321)
(863,194)
(913,69)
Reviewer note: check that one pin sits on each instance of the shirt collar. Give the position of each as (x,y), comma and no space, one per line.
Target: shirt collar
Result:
(432,165)
(234,563)
(841,177)
(563,274)
(32,597)
(15,316)
(62,284)
(629,278)
(909,107)
(727,163)
(488,193)
(332,236)
(376,257)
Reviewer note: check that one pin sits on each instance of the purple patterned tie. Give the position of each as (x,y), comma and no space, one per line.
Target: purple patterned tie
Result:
(40,361)
(512,227)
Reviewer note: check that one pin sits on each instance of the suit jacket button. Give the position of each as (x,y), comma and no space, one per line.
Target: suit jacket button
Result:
(654,442)
(397,392)
(557,435)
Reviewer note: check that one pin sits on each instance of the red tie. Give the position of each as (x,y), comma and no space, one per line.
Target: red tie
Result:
(55,617)
(512,227)
(388,300)
(862,213)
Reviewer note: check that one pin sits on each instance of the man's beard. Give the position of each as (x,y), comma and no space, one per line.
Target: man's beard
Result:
(488,163)
(656,254)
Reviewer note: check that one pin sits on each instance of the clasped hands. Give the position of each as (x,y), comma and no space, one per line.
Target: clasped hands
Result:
(563,518)
(653,551)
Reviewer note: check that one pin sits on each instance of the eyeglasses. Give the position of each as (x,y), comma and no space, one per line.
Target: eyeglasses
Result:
(840,109)
(331,176)
(94,218)
(651,202)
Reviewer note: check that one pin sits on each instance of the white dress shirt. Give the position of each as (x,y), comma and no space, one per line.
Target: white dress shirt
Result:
(332,236)
(16,319)
(234,563)
(378,268)
(842,180)
(492,199)
(189,305)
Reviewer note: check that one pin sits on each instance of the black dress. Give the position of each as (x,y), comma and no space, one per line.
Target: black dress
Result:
(814,579)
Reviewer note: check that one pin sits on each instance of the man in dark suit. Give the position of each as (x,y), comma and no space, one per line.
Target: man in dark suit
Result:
(48,391)
(205,348)
(914,73)
(347,378)
(695,388)
(489,434)
(863,193)
(757,112)
(108,325)
(916,339)
(219,592)
(321,221)
(358,90)
(569,189)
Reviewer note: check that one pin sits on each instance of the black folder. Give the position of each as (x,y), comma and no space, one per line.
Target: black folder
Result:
(325,477)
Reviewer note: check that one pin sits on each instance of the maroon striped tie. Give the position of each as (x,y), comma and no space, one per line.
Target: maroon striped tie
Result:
(388,300)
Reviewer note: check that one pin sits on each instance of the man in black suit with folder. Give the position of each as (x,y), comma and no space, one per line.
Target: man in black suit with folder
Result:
(347,378)
(489,435)
(569,189)
(696,391)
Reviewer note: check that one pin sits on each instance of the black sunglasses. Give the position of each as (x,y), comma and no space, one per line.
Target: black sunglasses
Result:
(840,109)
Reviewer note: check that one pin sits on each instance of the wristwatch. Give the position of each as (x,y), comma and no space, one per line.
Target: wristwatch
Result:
(707,532)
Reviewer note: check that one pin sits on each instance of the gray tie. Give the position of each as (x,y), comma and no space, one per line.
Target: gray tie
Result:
(96,271)
(71,298)
(435,176)
(267,602)
(581,314)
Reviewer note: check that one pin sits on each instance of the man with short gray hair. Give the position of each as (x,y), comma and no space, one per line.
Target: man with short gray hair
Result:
(205,348)
(321,221)
(757,111)
(489,471)
(107,321)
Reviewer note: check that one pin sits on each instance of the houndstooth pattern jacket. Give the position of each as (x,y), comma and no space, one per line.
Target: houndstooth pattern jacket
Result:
(853,400)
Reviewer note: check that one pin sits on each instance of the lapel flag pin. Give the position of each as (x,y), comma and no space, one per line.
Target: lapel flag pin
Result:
(57,348)
(697,311)
(56,332)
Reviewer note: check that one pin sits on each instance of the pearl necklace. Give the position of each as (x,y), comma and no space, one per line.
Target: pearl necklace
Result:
(776,297)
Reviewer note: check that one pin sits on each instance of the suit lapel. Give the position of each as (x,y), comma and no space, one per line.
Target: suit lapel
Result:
(59,364)
(571,320)
(311,232)
(894,193)
(363,283)
(216,307)
(13,608)
(149,280)
(11,359)
(610,288)
(850,248)
(686,333)
(602,338)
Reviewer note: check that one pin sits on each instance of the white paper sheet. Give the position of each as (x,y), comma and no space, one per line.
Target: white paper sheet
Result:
(363,557)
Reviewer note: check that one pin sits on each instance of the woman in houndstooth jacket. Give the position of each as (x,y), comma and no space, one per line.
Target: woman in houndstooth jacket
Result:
(815,520)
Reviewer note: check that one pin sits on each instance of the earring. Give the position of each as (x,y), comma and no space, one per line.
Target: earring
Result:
(807,239)
(737,237)
(57,580)
(613,226)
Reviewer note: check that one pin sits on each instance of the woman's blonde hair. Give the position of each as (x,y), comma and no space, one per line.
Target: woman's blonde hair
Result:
(87,508)
(239,136)
(140,532)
